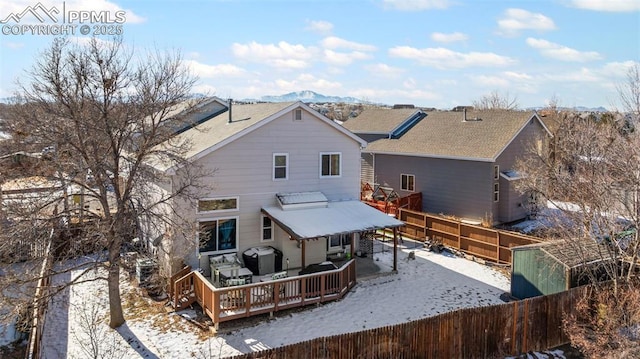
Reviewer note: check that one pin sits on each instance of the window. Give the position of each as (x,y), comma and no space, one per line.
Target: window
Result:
(338,241)
(218,204)
(218,235)
(330,165)
(280,166)
(297,114)
(496,192)
(407,182)
(267,229)
(496,172)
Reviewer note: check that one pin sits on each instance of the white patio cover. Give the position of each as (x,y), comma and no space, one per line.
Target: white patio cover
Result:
(337,218)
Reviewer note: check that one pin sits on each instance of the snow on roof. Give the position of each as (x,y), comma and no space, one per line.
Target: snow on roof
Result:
(335,218)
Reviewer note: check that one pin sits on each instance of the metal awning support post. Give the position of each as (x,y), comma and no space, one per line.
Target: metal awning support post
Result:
(353,244)
(304,252)
(395,249)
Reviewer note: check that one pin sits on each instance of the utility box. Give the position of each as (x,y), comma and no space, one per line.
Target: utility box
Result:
(145,267)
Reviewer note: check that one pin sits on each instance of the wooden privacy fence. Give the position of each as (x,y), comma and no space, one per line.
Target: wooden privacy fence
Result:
(485,332)
(490,244)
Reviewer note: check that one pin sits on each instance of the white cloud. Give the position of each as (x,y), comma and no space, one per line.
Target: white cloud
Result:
(416,5)
(209,71)
(307,82)
(442,58)
(343,59)
(283,55)
(618,69)
(517,75)
(452,37)
(205,89)
(333,42)
(319,26)
(490,81)
(562,53)
(410,83)
(516,20)
(608,5)
(13,45)
(384,70)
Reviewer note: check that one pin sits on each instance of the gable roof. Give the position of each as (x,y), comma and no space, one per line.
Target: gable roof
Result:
(228,126)
(572,253)
(445,134)
(379,120)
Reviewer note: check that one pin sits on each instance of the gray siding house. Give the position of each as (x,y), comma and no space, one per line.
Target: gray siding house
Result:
(462,162)
(269,161)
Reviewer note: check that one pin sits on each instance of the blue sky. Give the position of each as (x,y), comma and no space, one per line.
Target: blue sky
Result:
(433,53)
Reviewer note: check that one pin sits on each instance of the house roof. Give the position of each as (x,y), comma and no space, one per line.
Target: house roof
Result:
(220,130)
(379,120)
(336,218)
(571,253)
(444,134)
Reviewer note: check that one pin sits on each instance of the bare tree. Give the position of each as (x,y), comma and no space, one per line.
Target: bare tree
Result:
(101,118)
(629,92)
(590,173)
(496,101)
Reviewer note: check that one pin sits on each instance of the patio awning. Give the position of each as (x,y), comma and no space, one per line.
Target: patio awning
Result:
(335,218)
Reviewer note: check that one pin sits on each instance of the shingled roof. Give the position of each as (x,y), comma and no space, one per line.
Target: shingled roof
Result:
(445,134)
(379,120)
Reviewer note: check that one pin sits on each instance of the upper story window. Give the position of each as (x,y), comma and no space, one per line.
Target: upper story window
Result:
(330,164)
(217,204)
(280,166)
(496,192)
(496,172)
(297,114)
(407,182)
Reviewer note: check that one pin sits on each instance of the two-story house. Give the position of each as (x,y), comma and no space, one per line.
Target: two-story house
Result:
(283,176)
(462,162)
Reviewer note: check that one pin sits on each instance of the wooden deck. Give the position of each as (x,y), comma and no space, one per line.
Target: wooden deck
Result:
(229,303)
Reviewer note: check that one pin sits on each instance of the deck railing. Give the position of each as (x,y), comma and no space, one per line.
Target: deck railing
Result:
(229,303)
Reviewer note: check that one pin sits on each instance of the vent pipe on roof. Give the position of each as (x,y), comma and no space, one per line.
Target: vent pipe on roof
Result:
(464,114)
(230,104)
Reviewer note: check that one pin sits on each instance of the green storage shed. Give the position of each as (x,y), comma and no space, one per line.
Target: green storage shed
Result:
(552,267)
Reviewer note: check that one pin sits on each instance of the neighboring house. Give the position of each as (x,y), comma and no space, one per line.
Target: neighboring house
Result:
(462,162)
(283,176)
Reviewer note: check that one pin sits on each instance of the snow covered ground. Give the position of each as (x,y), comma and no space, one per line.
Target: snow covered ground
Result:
(425,286)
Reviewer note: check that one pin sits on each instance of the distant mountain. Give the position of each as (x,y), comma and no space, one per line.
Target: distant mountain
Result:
(308,96)
(576,108)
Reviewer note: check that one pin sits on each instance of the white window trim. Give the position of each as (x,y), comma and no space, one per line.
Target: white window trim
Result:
(209,219)
(237,198)
(496,172)
(273,166)
(295,113)
(496,192)
(339,166)
(262,229)
(339,248)
(414,182)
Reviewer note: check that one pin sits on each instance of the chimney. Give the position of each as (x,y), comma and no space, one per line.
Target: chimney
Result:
(230,104)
